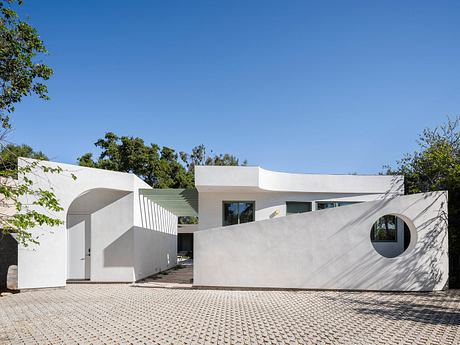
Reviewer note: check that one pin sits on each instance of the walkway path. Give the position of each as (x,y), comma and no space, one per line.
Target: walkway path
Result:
(119,313)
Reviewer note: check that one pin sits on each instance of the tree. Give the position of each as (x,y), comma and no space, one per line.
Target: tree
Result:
(160,167)
(9,154)
(436,166)
(198,156)
(21,75)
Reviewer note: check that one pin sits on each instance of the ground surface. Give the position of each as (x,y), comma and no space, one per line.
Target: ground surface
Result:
(181,274)
(116,313)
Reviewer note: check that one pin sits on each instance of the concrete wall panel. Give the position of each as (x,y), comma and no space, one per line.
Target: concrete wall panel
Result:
(329,249)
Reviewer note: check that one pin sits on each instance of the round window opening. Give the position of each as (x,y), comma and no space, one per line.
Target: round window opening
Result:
(390,236)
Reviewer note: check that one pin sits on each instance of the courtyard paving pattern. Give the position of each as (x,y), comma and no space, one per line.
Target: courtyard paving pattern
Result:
(122,314)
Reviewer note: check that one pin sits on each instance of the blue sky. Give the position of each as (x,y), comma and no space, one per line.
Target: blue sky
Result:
(323,87)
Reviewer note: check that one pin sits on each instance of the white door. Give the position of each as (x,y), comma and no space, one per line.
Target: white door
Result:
(78,246)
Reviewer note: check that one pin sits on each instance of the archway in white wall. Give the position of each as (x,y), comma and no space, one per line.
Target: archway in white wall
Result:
(79,229)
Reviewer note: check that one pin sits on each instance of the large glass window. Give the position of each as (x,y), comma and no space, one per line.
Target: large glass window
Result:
(321,205)
(293,207)
(238,212)
(385,229)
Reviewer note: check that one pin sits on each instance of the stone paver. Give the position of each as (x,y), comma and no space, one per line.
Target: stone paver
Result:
(120,314)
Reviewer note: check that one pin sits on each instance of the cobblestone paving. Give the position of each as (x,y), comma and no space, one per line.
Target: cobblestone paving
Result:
(114,314)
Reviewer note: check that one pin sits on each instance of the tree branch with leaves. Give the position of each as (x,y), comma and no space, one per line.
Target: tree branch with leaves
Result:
(22,205)
(436,166)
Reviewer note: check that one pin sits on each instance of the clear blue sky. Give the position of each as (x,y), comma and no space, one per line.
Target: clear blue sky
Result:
(328,87)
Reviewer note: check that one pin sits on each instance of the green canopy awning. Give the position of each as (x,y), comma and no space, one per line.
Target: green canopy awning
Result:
(181,202)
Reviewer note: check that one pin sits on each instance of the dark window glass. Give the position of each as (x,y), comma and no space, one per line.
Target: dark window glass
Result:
(293,207)
(331,204)
(345,203)
(385,229)
(324,205)
(237,212)
(246,211)
(230,213)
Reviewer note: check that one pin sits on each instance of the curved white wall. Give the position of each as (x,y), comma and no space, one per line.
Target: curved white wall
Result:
(241,178)
(326,183)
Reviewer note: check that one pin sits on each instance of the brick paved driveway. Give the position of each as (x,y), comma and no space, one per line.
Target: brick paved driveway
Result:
(113,314)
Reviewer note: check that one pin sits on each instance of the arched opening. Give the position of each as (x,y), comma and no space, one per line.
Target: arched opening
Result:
(391,235)
(79,229)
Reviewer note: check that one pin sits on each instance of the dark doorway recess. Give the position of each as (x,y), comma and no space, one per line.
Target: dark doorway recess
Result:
(8,257)
(185,243)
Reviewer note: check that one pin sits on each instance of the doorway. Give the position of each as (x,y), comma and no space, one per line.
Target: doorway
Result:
(79,246)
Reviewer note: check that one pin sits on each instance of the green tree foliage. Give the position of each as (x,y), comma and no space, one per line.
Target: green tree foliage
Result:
(20,74)
(10,152)
(198,156)
(160,167)
(23,206)
(20,202)
(436,166)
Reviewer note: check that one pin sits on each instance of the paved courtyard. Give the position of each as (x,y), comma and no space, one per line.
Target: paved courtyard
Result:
(113,314)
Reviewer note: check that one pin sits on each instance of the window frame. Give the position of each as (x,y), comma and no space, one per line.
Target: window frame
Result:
(385,241)
(238,202)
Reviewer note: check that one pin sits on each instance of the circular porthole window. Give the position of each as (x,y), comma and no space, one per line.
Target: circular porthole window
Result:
(390,236)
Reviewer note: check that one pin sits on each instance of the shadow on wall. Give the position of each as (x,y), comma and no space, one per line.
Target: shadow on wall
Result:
(396,187)
(155,217)
(154,251)
(94,200)
(118,253)
(89,204)
(8,257)
(427,248)
(435,309)
(385,199)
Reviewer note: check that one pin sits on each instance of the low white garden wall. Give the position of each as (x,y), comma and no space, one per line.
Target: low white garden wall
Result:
(329,249)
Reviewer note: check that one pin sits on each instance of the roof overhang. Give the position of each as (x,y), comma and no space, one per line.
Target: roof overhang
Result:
(244,179)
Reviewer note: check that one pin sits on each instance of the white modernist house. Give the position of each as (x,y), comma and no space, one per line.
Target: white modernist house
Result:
(256,228)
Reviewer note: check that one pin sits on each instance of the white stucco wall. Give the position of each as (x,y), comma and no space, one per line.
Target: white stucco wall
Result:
(329,249)
(155,239)
(112,245)
(115,231)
